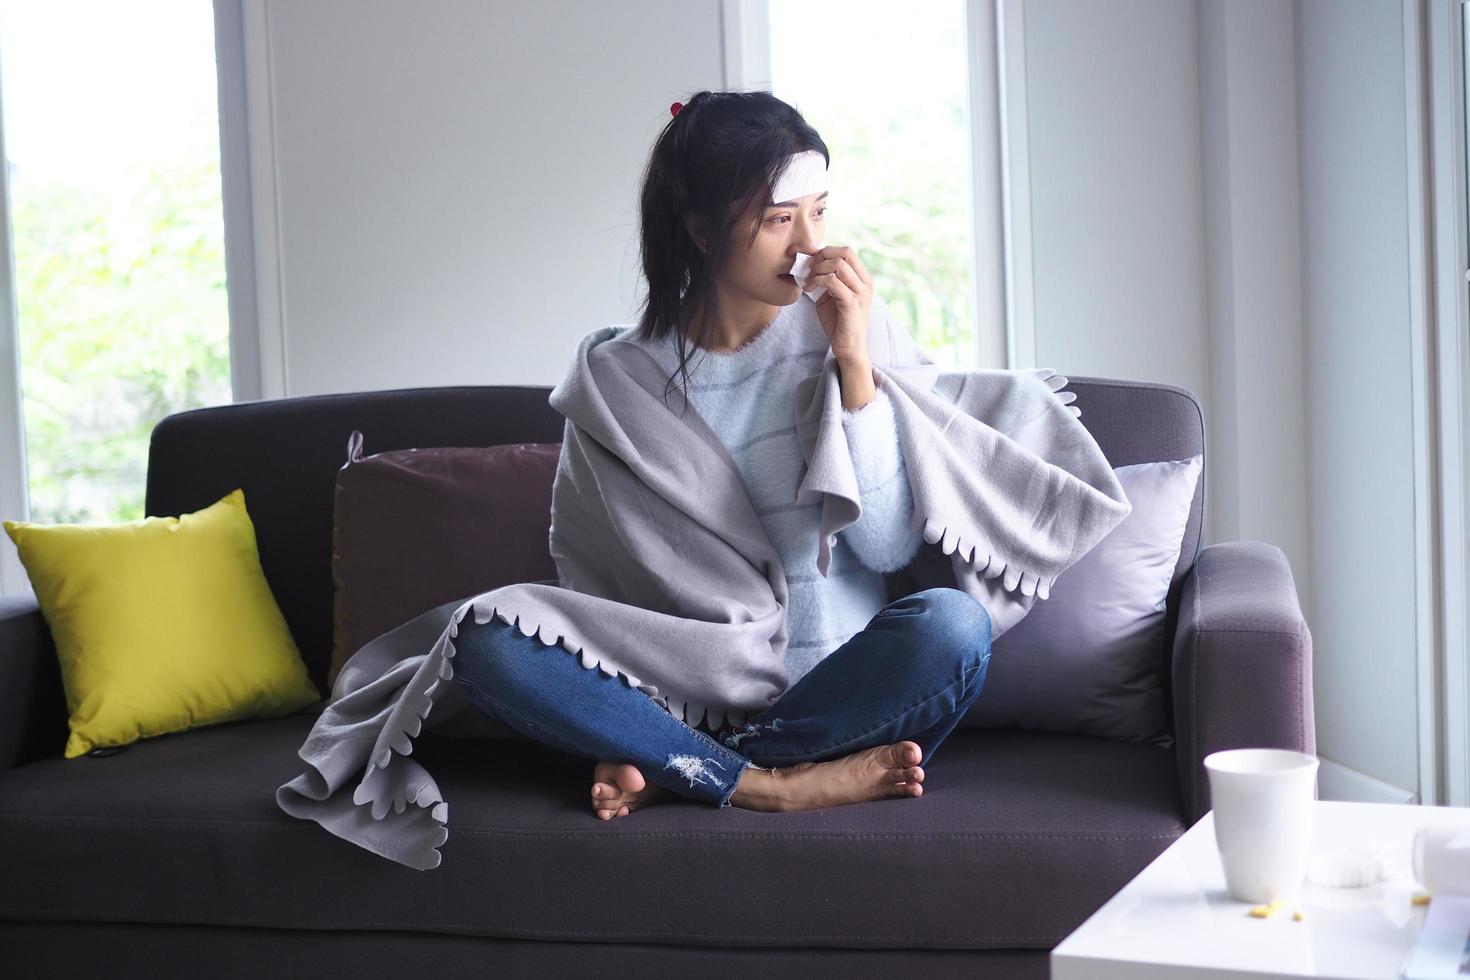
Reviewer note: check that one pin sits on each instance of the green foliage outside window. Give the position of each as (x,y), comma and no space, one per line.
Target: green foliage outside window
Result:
(124,319)
(907,213)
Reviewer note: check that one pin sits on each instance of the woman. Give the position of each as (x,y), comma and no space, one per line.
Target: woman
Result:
(733,193)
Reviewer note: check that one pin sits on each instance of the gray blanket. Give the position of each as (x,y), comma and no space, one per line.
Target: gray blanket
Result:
(667,577)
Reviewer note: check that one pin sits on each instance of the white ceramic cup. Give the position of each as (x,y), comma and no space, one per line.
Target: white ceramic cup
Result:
(1264,820)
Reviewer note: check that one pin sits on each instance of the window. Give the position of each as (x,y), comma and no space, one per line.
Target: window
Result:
(111,135)
(898,130)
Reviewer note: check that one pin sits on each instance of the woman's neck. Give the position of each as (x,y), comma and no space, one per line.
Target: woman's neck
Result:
(740,322)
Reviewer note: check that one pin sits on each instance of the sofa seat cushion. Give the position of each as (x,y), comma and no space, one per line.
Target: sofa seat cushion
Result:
(1018,838)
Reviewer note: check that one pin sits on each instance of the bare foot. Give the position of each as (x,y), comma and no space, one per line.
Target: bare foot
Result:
(618,788)
(878,773)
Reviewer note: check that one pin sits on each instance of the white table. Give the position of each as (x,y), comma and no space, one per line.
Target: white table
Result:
(1176,919)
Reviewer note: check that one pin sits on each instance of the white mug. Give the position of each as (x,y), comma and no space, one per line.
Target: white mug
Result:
(1264,820)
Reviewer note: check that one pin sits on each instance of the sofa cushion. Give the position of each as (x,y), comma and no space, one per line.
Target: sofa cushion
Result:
(1019,836)
(415,528)
(1090,660)
(162,624)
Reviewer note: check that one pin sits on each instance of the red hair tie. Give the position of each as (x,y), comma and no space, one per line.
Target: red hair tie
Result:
(674,109)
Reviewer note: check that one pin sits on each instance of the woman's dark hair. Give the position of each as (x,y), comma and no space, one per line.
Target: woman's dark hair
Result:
(713,167)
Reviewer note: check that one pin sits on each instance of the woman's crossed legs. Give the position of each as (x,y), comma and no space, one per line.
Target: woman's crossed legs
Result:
(860,725)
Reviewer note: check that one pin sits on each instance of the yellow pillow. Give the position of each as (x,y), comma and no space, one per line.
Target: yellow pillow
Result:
(162,624)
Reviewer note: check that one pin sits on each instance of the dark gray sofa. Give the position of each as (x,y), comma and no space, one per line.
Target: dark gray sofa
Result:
(170,858)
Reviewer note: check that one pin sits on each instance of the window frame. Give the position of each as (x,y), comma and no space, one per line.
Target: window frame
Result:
(240,32)
(238,200)
(1000,214)
(14,488)
(1439,242)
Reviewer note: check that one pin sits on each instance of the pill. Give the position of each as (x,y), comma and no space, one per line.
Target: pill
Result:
(1297,915)
(1420,898)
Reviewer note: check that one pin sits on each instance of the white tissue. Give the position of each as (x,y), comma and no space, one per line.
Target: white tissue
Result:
(1360,862)
(1351,867)
(799,268)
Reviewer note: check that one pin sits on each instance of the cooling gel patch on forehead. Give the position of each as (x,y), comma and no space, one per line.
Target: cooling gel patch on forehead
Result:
(806,173)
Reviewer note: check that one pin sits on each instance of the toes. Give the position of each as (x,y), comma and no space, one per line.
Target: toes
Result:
(622,774)
(905,754)
(619,789)
(628,776)
(606,799)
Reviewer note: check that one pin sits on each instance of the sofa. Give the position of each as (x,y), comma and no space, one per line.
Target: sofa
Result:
(170,857)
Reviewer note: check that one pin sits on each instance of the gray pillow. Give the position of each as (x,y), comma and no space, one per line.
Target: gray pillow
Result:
(1089,660)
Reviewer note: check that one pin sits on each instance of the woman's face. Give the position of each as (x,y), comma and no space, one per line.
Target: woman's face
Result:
(760,270)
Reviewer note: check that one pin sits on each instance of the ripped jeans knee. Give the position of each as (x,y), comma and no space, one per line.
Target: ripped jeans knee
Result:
(694,769)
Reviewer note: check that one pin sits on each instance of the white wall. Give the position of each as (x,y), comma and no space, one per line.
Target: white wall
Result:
(1117,218)
(1350,73)
(1258,489)
(457,181)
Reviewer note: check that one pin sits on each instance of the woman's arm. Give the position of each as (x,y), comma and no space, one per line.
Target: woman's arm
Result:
(881,537)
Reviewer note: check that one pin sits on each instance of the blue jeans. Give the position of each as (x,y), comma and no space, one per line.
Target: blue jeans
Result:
(911,673)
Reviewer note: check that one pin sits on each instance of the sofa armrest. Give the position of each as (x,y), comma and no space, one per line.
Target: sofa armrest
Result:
(33,716)
(1242,668)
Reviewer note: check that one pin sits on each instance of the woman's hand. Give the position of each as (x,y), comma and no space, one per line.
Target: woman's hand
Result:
(844,308)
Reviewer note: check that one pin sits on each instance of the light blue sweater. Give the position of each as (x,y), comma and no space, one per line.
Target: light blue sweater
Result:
(748,397)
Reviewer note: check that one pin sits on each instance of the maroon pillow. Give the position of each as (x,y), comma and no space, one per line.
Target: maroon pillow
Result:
(415,528)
